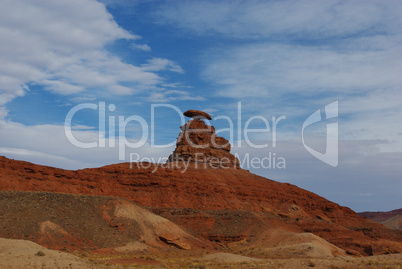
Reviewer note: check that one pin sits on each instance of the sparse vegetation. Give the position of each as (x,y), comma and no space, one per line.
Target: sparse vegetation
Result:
(310,264)
(40,253)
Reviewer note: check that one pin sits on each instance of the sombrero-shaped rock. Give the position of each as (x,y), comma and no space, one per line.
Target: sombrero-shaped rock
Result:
(197,114)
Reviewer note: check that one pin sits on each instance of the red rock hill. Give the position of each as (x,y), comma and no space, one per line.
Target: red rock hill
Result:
(224,205)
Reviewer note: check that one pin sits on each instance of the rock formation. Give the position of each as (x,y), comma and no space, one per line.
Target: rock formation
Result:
(197,114)
(198,143)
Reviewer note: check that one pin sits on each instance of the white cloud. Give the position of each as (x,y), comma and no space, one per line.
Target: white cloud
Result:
(83,99)
(172,95)
(61,87)
(143,47)
(60,45)
(3,113)
(158,64)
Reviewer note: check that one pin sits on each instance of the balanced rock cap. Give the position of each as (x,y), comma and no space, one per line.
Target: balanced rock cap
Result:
(197,114)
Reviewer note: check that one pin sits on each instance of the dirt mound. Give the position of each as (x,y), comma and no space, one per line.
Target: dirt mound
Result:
(83,222)
(150,227)
(226,206)
(26,254)
(279,243)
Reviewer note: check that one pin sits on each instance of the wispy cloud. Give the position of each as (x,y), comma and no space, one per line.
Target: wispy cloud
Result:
(366,194)
(143,47)
(159,64)
(312,19)
(273,70)
(166,95)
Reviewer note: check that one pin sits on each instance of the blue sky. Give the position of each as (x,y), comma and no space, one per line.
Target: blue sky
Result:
(275,58)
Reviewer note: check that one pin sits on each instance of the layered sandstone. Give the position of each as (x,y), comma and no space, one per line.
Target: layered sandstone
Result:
(198,143)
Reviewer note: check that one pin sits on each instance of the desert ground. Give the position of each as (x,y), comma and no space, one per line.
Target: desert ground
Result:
(25,254)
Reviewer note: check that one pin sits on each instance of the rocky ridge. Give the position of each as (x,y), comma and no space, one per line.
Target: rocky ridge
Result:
(391,219)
